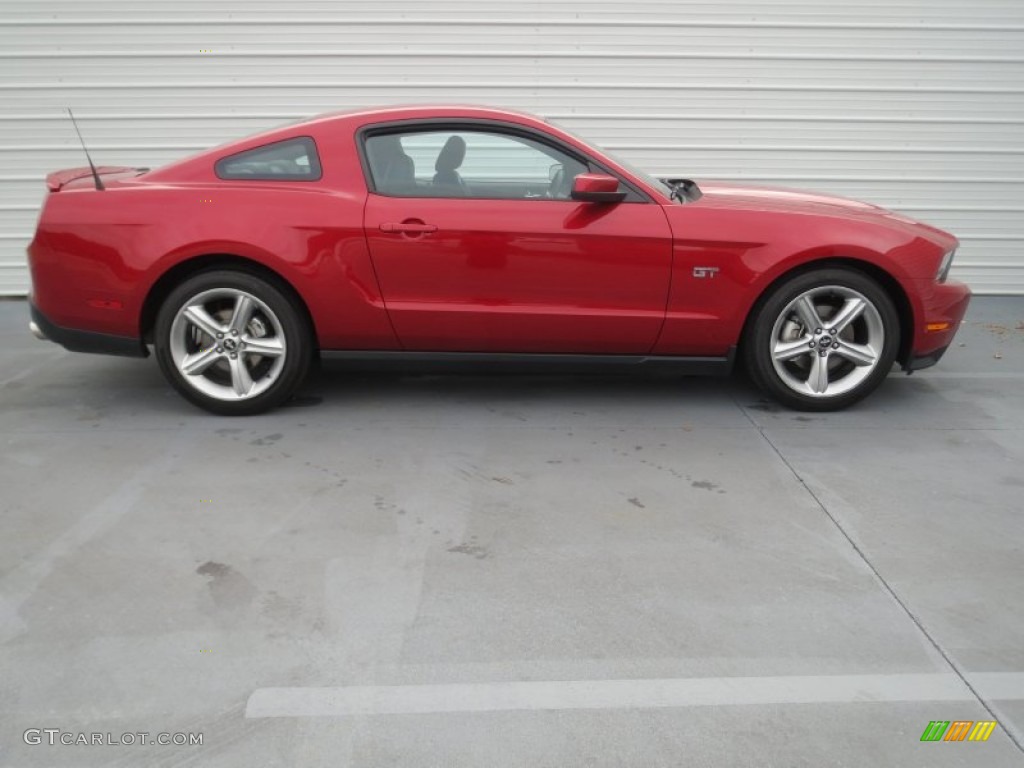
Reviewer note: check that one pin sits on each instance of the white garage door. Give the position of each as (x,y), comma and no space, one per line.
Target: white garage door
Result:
(913,104)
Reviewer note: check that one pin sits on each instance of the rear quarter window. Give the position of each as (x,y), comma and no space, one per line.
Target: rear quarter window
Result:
(289,160)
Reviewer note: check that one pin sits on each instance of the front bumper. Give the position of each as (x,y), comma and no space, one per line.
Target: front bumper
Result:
(917,362)
(943,308)
(84,341)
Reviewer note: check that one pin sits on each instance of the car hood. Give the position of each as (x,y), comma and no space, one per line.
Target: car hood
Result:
(724,195)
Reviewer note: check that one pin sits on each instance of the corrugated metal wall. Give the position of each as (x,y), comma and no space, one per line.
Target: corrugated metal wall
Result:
(914,104)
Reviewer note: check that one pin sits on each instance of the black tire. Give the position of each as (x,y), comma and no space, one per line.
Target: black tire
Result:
(776,327)
(276,325)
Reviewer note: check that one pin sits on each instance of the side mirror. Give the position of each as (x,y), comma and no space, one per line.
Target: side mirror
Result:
(596,188)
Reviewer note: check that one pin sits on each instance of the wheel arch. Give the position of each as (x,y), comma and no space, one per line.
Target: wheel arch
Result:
(888,283)
(195,265)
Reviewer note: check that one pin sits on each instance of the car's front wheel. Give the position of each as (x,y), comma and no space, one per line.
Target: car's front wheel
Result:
(232,343)
(822,340)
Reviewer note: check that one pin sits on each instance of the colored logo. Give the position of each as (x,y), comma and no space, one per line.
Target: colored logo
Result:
(958,730)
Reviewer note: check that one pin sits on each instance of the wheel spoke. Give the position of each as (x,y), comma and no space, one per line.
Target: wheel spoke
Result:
(818,380)
(858,354)
(850,311)
(198,362)
(787,350)
(200,318)
(240,318)
(268,346)
(808,314)
(241,381)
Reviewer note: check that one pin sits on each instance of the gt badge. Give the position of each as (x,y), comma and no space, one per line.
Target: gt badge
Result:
(705,272)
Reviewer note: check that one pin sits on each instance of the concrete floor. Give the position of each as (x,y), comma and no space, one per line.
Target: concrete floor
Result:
(676,572)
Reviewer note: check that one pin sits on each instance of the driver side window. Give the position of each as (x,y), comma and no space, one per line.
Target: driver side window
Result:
(469,164)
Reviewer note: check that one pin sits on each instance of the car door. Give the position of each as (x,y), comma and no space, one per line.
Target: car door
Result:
(478,247)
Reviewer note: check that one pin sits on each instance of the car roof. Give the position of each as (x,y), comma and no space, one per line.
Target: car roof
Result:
(414,111)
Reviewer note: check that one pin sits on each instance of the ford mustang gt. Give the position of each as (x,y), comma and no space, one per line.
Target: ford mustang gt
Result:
(474,235)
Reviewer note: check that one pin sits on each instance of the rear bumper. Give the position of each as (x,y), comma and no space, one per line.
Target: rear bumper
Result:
(84,341)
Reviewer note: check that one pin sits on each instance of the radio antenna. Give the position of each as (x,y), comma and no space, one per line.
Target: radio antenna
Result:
(95,175)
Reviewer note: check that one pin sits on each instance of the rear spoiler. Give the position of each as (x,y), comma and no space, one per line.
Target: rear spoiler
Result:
(57,179)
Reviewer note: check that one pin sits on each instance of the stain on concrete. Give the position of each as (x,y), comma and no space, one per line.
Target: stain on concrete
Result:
(340,480)
(636,502)
(227,431)
(707,485)
(228,588)
(473,550)
(502,480)
(267,439)
(662,468)
(210,568)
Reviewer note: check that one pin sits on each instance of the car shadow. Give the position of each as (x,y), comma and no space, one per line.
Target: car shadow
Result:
(95,388)
(332,384)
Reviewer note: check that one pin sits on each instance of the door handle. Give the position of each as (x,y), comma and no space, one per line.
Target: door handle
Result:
(409,227)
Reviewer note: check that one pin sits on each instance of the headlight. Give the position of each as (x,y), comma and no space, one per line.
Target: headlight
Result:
(947,262)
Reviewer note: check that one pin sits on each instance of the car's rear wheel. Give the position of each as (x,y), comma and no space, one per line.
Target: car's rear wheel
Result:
(822,340)
(232,343)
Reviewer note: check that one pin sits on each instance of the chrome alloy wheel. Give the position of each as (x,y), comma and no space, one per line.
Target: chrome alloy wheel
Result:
(227,344)
(827,341)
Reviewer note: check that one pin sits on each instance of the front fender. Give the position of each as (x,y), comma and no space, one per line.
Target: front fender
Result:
(725,260)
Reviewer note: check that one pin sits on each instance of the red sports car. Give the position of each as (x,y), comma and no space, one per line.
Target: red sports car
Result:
(464,234)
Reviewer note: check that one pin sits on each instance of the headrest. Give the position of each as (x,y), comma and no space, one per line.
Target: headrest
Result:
(452,154)
(385,146)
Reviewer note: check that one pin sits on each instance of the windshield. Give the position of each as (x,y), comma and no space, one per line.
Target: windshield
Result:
(653,181)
